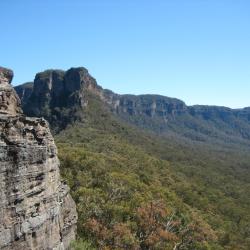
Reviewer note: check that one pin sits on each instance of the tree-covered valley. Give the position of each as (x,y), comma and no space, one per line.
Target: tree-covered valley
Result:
(147,172)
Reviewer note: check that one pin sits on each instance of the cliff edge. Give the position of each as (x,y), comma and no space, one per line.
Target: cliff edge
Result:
(36,209)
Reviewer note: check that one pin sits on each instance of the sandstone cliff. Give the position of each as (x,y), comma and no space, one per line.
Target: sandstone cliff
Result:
(57,95)
(63,97)
(36,209)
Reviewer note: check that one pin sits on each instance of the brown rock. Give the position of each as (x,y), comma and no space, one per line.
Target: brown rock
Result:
(36,209)
(6,75)
(9,101)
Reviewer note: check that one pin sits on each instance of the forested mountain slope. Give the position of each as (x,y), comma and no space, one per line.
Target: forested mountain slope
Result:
(188,168)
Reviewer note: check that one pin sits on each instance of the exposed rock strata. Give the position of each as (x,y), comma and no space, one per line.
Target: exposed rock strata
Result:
(63,96)
(9,101)
(57,95)
(24,91)
(55,91)
(36,209)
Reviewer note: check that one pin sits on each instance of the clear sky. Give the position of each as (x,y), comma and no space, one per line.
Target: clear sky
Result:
(195,50)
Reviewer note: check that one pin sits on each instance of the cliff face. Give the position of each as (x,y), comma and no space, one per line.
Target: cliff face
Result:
(36,209)
(57,95)
(61,97)
(55,91)
(24,91)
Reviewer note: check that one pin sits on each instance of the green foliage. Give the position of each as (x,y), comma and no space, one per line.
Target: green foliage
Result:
(115,171)
(81,245)
(150,173)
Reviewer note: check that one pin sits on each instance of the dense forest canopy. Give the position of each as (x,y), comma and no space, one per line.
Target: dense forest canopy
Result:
(150,173)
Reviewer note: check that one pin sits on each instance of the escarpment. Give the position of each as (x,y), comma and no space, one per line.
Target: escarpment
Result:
(61,96)
(64,97)
(57,95)
(36,209)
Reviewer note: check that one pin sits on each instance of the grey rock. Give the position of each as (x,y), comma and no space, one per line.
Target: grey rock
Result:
(9,101)
(36,209)
(24,91)
(56,95)
(6,75)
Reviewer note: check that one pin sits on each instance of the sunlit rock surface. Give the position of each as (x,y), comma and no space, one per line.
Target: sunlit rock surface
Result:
(36,209)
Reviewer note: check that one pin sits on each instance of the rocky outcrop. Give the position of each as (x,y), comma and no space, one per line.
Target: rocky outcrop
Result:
(36,209)
(9,101)
(24,91)
(61,97)
(150,105)
(57,95)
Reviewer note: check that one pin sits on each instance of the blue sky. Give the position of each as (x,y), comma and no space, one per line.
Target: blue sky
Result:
(195,50)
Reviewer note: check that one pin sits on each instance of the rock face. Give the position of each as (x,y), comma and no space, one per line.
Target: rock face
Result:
(36,209)
(150,105)
(57,95)
(24,91)
(9,101)
(62,96)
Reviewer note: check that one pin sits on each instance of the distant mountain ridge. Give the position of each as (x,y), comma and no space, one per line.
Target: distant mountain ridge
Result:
(60,97)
